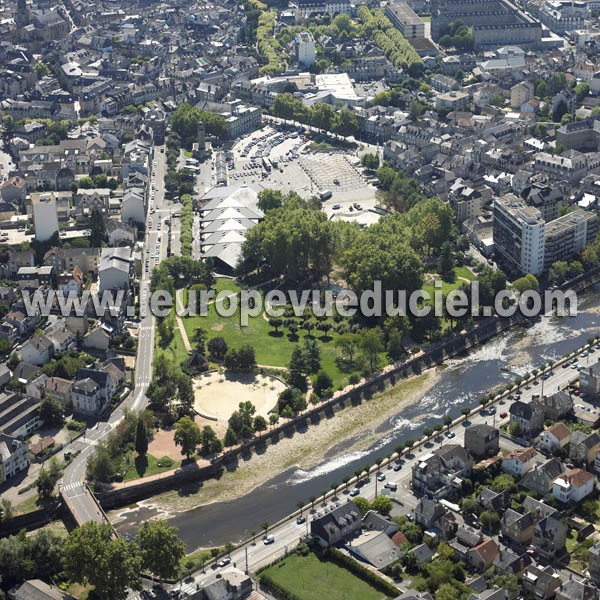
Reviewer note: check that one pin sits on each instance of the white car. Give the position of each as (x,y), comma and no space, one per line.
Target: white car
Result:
(268,539)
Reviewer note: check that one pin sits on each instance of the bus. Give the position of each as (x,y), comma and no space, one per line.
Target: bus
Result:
(266,163)
(325,195)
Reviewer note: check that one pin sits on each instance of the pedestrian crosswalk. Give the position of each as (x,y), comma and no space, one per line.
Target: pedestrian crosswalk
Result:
(72,486)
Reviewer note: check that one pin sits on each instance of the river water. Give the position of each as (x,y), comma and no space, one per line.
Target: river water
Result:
(462,381)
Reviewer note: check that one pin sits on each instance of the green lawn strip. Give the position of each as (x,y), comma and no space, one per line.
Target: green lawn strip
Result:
(27,506)
(154,465)
(464,272)
(309,578)
(272,350)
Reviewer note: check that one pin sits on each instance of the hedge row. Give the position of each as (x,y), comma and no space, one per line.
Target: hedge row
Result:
(276,589)
(346,562)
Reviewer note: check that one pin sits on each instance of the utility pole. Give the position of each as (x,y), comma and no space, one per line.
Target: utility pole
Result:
(246,552)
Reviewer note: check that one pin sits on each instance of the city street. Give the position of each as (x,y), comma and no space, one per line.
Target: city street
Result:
(72,487)
(252,556)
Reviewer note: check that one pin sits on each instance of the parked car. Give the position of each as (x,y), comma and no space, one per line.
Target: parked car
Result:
(354,492)
(268,539)
(224,562)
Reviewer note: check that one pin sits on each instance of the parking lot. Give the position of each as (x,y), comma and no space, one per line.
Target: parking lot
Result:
(295,163)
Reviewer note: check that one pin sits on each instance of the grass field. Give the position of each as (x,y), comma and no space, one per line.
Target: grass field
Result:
(140,468)
(272,350)
(312,579)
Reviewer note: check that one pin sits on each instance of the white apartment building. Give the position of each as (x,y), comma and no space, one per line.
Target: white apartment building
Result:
(306,52)
(45,215)
(519,234)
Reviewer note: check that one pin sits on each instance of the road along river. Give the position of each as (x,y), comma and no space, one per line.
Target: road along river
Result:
(460,382)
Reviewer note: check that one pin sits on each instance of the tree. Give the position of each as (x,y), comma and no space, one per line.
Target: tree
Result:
(489,520)
(465,411)
(100,466)
(231,438)
(371,345)
(323,384)
(298,369)
(395,347)
(92,557)
(161,549)
(97,228)
(528,282)
(187,435)
(6,509)
(217,348)
(446,263)
(362,504)
(469,505)
(347,343)
(382,504)
(448,591)
(345,122)
(559,271)
(51,411)
(141,438)
(269,199)
(209,441)
(582,90)
(260,423)
(509,583)
(48,478)
(447,421)
(370,161)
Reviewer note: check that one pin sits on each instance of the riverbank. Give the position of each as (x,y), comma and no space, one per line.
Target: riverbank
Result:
(355,428)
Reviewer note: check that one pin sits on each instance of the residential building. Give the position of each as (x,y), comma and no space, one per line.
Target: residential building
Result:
(373,521)
(573,486)
(528,416)
(557,406)
(92,391)
(541,583)
(482,440)
(495,501)
(36,589)
(519,235)
(541,478)
(594,563)
(517,527)
(554,438)
(306,52)
(434,516)
(509,562)
(589,381)
(520,93)
(482,556)
(549,537)
(37,351)
(567,236)
(45,215)
(570,166)
(14,456)
(337,525)
(573,589)
(583,447)
(439,472)
(229,584)
(116,267)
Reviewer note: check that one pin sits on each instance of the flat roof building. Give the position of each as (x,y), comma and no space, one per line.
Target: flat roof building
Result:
(405,19)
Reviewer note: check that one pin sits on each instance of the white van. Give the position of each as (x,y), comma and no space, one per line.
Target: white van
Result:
(391,485)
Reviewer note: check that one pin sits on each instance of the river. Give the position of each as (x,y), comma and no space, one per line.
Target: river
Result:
(461,382)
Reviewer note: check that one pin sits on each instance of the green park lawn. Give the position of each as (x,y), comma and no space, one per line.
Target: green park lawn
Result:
(309,578)
(461,273)
(139,468)
(274,350)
